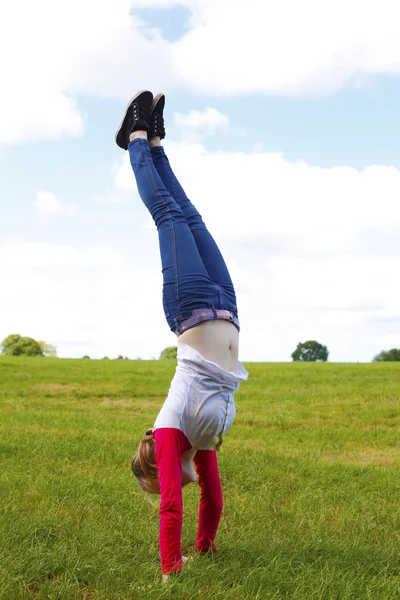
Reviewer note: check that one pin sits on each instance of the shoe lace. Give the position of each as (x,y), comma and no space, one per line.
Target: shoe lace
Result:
(141,113)
(158,121)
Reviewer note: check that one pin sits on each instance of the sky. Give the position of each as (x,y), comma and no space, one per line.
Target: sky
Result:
(282,126)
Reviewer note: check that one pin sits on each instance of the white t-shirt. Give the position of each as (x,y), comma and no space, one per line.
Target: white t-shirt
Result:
(200,399)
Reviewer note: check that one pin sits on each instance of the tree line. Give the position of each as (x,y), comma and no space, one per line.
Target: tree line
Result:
(309,351)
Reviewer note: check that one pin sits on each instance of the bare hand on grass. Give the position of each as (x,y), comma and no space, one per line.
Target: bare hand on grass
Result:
(185,559)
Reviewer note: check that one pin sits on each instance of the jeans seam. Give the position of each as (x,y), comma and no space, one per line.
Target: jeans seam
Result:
(150,172)
(166,168)
(171,183)
(165,171)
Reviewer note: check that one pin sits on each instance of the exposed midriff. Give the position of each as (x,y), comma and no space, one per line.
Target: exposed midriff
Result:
(217,341)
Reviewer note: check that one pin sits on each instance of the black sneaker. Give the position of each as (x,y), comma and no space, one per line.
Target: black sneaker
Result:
(157,119)
(137,117)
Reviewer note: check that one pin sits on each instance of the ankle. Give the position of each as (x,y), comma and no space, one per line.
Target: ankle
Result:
(138,134)
(155,141)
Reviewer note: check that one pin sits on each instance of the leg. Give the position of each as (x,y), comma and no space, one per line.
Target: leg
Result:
(182,266)
(208,249)
(210,499)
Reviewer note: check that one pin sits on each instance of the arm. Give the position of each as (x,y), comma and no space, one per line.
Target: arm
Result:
(211,503)
(188,471)
(171,444)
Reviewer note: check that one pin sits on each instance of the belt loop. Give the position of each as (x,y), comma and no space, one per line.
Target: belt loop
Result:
(214,313)
(178,328)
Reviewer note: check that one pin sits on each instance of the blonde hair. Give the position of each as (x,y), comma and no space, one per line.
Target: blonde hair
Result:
(144,463)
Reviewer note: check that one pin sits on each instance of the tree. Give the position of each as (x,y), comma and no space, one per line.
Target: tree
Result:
(9,341)
(388,355)
(16,345)
(310,351)
(170,353)
(48,349)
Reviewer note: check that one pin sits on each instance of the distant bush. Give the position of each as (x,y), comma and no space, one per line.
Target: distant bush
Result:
(16,345)
(48,349)
(170,353)
(86,357)
(310,351)
(388,355)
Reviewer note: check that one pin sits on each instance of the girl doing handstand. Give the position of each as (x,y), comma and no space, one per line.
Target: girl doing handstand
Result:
(200,307)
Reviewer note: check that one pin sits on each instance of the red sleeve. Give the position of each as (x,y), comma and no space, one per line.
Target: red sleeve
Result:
(171,444)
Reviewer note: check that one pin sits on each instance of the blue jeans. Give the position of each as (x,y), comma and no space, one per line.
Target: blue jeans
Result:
(196,282)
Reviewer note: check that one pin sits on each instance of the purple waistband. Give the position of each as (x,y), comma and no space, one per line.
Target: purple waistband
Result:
(199,315)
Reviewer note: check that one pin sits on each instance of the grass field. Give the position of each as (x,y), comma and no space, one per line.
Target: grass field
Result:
(310,473)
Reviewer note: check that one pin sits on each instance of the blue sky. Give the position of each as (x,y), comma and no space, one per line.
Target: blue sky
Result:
(301,147)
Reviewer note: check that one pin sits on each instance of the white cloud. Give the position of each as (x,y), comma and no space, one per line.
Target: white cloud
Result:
(114,197)
(48,204)
(18,256)
(96,307)
(59,51)
(329,294)
(199,124)
(320,209)
(344,283)
(109,304)
(287,47)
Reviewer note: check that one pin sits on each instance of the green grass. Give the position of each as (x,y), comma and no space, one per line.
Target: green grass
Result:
(310,473)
